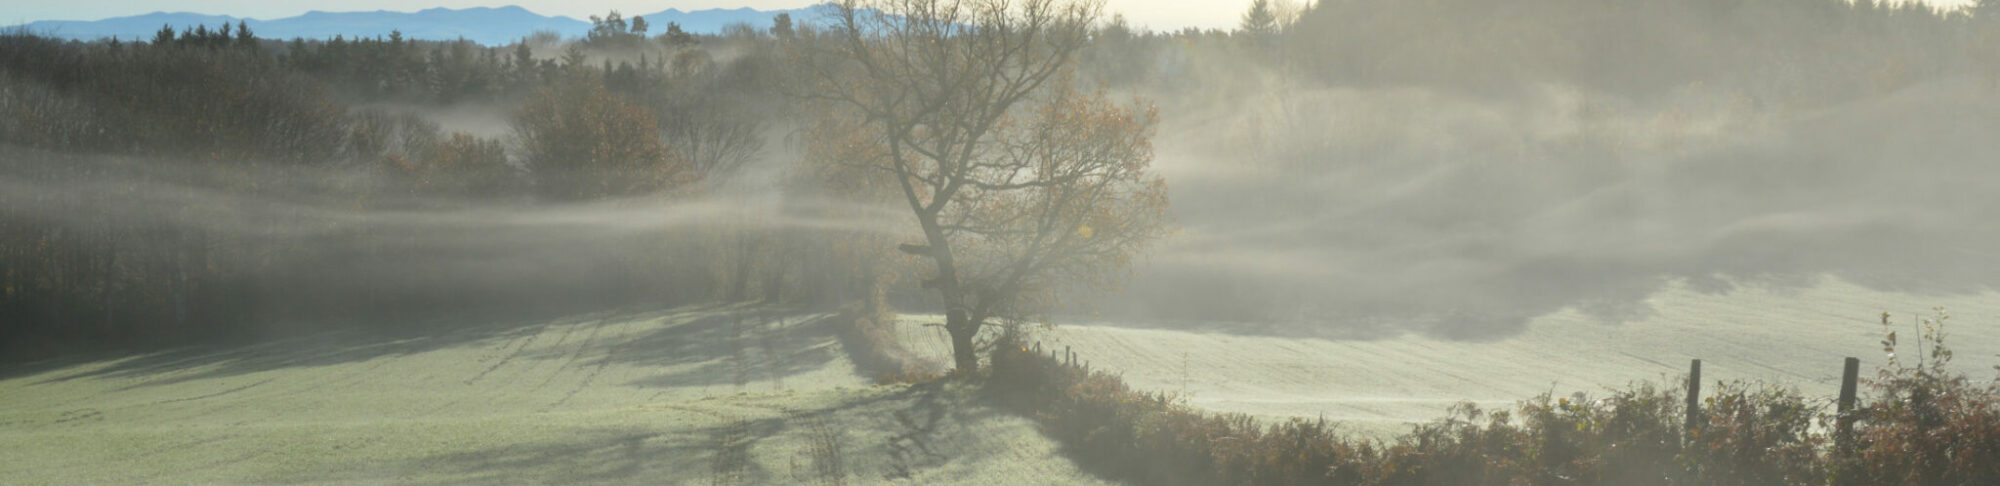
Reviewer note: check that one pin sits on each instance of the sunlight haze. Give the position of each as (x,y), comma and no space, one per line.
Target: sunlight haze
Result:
(996,242)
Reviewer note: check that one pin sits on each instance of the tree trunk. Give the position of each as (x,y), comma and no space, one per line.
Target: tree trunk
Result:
(962,329)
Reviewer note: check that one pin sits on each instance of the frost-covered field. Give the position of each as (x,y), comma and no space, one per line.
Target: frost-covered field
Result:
(1796,337)
(708,396)
(726,395)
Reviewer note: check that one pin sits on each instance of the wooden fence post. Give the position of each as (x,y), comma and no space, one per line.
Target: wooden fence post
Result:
(1693,426)
(1693,398)
(1843,440)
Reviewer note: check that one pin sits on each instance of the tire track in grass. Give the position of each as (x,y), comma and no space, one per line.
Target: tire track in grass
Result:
(565,363)
(610,353)
(570,362)
(567,331)
(510,339)
(530,340)
(533,334)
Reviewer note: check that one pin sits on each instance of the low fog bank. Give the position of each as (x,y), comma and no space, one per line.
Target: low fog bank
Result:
(237,252)
(1358,170)
(1364,212)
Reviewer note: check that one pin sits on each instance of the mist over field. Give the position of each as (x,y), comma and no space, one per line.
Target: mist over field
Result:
(889,241)
(1370,211)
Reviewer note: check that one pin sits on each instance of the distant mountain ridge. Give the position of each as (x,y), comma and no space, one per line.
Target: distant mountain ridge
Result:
(485,25)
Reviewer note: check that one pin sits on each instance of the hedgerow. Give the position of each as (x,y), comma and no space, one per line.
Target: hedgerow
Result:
(1923,426)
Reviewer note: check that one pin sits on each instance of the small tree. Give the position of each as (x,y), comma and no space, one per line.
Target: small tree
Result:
(781,26)
(1018,182)
(676,38)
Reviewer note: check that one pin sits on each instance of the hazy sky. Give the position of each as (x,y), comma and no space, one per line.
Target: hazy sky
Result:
(1159,14)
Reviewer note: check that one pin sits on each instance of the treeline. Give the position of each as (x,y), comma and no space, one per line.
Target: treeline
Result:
(204,186)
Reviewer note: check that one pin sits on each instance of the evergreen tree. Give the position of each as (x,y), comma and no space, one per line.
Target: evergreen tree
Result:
(1261,20)
(164,37)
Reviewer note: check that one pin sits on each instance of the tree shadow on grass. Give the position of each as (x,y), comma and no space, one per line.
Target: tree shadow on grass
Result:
(726,451)
(732,347)
(593,456)
(936,429)
(320,348)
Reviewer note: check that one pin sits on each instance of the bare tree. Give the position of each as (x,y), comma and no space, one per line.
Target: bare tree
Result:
(1019,182)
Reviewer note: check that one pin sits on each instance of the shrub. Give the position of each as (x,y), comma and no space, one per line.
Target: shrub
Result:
(1757,435)
(1927,425)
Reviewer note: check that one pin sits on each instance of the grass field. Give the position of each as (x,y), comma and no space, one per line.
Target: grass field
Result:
(725,395)
(680,396)
(1790,336)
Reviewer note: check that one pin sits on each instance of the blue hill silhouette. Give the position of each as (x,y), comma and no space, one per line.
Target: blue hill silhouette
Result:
(485,25)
